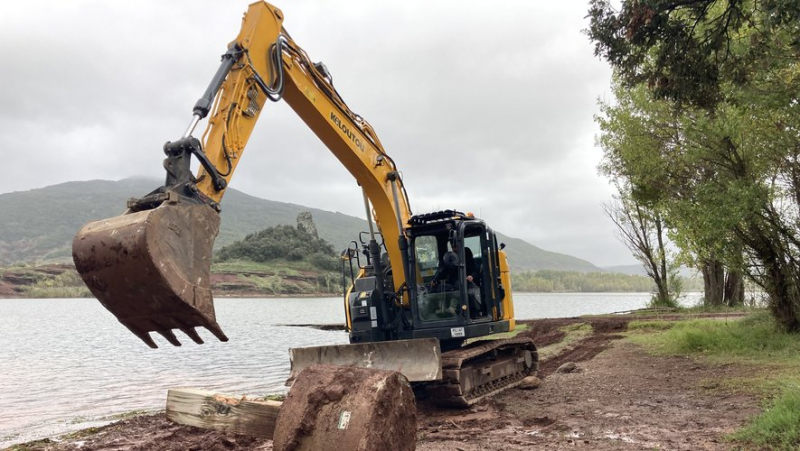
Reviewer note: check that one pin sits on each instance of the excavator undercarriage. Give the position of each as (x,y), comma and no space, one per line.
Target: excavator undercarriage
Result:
(483,369)
(456,378)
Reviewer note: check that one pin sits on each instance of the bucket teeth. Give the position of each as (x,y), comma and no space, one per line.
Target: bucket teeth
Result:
(217,331)
(170,336)
(192,333)
(145,337)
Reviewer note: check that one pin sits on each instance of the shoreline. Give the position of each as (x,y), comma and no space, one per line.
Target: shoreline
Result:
(620,397)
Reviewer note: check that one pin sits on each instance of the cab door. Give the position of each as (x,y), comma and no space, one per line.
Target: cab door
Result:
(480,262)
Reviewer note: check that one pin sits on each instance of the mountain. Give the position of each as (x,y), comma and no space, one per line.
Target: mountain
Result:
(634,270)
(639,270)
(38,225)
(523,256)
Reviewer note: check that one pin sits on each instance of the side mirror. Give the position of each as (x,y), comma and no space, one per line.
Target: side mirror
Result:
(502,246)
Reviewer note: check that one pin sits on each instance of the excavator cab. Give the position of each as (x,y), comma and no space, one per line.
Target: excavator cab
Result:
(454,287)
(458,293)
(447,275)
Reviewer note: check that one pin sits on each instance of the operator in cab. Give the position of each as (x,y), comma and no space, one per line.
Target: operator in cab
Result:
(446,279)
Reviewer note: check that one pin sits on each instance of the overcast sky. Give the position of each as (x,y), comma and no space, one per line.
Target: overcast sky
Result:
(485,107)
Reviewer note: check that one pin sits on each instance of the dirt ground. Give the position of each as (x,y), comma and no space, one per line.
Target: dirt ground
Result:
(618,397)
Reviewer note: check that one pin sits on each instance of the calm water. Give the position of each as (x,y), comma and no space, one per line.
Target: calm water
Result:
(67,364)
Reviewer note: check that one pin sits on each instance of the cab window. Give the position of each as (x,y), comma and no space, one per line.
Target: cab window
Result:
(437,299)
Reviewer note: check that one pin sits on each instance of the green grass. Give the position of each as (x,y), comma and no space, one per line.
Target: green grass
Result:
(281,267)
(700,308)
(41,282)
(277,278)
(56,292)
(778,427)
(754,340)
(574,333)
(650,326)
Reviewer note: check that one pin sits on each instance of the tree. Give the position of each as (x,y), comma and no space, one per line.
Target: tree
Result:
(642,230)
(722,137)
(686,51)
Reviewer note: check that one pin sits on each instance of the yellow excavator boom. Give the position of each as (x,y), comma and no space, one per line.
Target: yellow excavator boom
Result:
(151,266)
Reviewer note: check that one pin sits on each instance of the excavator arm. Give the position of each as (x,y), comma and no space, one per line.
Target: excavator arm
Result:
(272,66)
(151,266)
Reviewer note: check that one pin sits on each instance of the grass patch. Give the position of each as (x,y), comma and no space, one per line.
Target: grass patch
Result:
(271,284)
(576,327)
(650,326)
(279,267)
(701,308)
(47,281)
(574,333)
(754,340)
(778,427)
(276,277)
(56,292)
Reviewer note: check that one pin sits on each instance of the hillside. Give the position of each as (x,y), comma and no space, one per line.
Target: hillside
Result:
(38,225)
(523,256)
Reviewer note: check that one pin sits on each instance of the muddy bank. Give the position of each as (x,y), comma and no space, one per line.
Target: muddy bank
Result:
(618,397)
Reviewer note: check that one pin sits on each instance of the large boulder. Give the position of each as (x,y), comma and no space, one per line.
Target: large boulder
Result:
(347,408)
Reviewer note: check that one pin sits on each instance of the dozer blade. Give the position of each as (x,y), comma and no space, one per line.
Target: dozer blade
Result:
(418,360)
(151,269)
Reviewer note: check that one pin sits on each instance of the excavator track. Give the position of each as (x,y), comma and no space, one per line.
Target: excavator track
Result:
(483,369)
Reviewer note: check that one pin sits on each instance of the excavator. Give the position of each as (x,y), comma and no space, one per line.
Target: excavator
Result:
(427,295)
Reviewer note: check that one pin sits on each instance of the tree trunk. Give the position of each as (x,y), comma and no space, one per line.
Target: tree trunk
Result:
(661,275)
(713,282)
(663,292)
(780,278)
(783,293)
(734,289)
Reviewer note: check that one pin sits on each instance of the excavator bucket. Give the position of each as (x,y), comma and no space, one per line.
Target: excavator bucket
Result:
(418,360)
(151,269)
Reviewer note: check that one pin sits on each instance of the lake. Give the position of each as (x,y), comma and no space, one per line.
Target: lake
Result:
(67,364)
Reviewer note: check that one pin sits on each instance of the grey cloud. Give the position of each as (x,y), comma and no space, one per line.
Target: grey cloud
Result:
(483,105)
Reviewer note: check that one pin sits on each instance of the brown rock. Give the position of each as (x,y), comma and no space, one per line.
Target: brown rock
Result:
(529,383)
(568,367)
(347,408)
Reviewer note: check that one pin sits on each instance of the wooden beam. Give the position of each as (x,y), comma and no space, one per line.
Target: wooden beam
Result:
(209,410)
